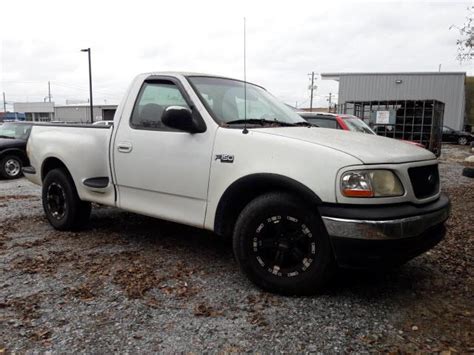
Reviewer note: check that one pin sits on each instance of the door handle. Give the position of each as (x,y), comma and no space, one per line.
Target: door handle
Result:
(124,147)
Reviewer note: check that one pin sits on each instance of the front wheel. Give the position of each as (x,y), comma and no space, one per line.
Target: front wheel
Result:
(462,140)
(282,246)
(61,203)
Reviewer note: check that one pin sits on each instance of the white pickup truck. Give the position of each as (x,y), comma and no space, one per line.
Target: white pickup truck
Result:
(224,155)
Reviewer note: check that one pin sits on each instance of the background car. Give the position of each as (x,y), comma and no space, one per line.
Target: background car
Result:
(452,136)
(338,121)
(342,121)
(13,138)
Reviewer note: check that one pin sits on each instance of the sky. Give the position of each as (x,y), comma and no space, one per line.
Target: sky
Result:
(40,41)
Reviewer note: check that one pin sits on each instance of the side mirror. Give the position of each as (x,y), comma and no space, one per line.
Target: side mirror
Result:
(181,118)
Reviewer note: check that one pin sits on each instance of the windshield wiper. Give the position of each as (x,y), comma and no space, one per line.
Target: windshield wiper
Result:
(261,122)
(9,137)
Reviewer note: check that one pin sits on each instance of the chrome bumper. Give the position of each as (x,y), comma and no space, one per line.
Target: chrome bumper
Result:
(385,229)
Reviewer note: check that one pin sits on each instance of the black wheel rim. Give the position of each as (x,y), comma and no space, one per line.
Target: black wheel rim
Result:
(56,201)
(284,246)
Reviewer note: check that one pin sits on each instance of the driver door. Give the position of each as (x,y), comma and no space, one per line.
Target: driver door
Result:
(160,171)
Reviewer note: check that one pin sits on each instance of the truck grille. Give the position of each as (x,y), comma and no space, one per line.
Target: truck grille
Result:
(425,180)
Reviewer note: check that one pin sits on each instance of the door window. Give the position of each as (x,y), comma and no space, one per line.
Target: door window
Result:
(152,101)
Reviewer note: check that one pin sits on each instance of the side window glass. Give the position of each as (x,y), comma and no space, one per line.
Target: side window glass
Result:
(153,99)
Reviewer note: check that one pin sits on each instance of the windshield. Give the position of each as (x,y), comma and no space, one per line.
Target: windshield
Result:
(15,131)
(225,99)
(357,125)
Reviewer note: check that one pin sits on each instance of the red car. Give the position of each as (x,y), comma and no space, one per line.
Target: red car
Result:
(341,121)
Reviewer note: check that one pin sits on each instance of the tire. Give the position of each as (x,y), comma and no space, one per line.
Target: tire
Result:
(10,167)
(462,141)
(468,172)
(61,203)
(302,251)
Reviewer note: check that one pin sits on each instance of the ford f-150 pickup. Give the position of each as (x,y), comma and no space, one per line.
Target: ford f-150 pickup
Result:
(225,155)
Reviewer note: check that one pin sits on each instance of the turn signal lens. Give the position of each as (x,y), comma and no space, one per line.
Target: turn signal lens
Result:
(371,183)
(356,184)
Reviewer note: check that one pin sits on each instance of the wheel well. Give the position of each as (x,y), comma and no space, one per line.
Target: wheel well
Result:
(16,152)
(50,164)
(247,188)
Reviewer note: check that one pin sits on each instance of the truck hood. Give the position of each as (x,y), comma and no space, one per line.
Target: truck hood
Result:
(368,148)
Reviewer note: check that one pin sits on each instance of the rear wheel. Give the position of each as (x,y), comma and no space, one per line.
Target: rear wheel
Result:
(10,167)
(282,245)
(61,203)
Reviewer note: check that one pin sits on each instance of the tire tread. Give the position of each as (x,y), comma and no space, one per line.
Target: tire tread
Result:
(79,211)
(308,284)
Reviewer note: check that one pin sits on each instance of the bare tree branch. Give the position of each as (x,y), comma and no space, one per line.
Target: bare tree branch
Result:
(465,43)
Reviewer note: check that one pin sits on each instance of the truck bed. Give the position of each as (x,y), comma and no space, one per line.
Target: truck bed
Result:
(84,149)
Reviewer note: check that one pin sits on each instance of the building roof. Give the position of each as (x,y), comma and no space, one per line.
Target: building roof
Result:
(336,76)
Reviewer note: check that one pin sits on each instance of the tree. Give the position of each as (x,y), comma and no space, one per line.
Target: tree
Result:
(466,41)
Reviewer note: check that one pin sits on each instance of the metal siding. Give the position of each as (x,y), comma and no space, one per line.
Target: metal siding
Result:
(80,113)
(447,88)
(72,114)
(43,107)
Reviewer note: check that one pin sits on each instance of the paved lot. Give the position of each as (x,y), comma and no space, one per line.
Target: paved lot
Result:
(133,283)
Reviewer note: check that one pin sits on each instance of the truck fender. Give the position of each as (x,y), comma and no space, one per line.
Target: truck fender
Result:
(246,188)
(51,163)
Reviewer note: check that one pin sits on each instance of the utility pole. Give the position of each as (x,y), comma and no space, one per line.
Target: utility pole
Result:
(4,103)
(329,100)
(312,88)
(49,91)
(88,50)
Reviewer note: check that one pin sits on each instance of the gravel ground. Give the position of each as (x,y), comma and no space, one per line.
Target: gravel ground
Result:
(132,283)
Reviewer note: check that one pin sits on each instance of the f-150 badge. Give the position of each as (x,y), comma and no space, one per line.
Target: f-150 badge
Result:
(225,158)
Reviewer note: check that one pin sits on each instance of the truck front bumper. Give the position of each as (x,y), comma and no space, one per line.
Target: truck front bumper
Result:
(366,236)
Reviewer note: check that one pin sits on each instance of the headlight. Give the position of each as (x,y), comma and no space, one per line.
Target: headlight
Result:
(371,183)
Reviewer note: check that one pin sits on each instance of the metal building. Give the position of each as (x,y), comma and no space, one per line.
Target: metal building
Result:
(80,113)
(36,111)
(446,87)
